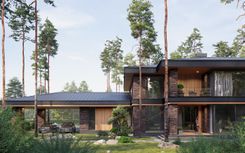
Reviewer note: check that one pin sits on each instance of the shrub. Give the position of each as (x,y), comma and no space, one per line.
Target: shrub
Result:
(119,120)
(102,133)
(239,134)
(61,144)
(125,139)
(12,136)
(208,145)
(177,141)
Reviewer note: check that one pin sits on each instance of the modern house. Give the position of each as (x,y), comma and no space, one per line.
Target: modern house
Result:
(206,95)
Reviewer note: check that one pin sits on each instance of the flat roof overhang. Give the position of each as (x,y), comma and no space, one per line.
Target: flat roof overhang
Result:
(60,104)
(213,63)
(206,100)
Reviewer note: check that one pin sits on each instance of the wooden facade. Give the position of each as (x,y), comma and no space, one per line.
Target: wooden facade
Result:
(102,115)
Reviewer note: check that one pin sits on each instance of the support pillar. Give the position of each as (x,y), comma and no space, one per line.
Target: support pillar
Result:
(138,121)
(200,126)
(41,117)
(173,81)
(173,119)
(206,123)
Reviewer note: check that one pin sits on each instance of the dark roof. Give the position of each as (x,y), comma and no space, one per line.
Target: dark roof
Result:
(69,98)
(210,62)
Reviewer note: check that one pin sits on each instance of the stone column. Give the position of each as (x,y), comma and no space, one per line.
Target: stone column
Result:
(84,119)
(138,123)
(41,117)
(173,80)
(173,119)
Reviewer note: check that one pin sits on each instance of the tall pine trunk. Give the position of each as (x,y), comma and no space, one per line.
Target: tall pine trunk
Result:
(3,57)
(108,86)
(40,82)
(48,83)
(166,119)
(48,72)
(140,82)
(23,63)
(36,61)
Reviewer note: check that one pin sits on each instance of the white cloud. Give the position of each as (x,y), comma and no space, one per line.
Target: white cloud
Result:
(65,18)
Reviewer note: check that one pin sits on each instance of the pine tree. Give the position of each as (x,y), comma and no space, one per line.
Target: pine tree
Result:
(142,29)
(83,87)
(14,88)
(190,47)
(48,44)
(129,60)
(21,23)
(110,58)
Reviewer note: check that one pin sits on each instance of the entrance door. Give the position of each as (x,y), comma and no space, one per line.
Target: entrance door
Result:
(189,118)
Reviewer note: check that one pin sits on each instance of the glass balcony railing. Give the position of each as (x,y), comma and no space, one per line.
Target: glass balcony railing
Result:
(193,92)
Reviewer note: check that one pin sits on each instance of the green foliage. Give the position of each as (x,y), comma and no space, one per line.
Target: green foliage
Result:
(47,38)
(223,50)
(175,55)
(142,28)
(14,88)
(63,145)
(208,145)
(83,87)
(190,47)
(112,60)
(239,133)
(72,87)
(180,86)
(125,139)
(102,133)
(177,141)
(129,60)
(21,22)
(13,138)
(119,120)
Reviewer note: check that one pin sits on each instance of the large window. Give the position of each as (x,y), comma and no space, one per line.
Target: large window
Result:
(229,83)
(154,89)
(153,118)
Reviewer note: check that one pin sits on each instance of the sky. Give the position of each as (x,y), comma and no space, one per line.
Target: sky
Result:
(84,26)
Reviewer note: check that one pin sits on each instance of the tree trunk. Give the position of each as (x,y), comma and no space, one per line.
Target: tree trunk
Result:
(36,61)
(3,58)
(48,72)
(166,119)
(40,82)
(44,82)
(48,112)
(23,63)
(140,83)
(108,87)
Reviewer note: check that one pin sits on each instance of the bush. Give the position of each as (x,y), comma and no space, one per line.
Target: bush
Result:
(119,120)
(61,144)
(177,141)
(27,125)
(13,138)
(209,145)
(102,133)
(239,134)
(125,139)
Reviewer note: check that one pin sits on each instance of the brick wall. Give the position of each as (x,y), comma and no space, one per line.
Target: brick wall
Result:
(173,80)
(173,119)
(138,126)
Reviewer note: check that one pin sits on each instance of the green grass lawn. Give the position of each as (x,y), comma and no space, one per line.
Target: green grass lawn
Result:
(134,148)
